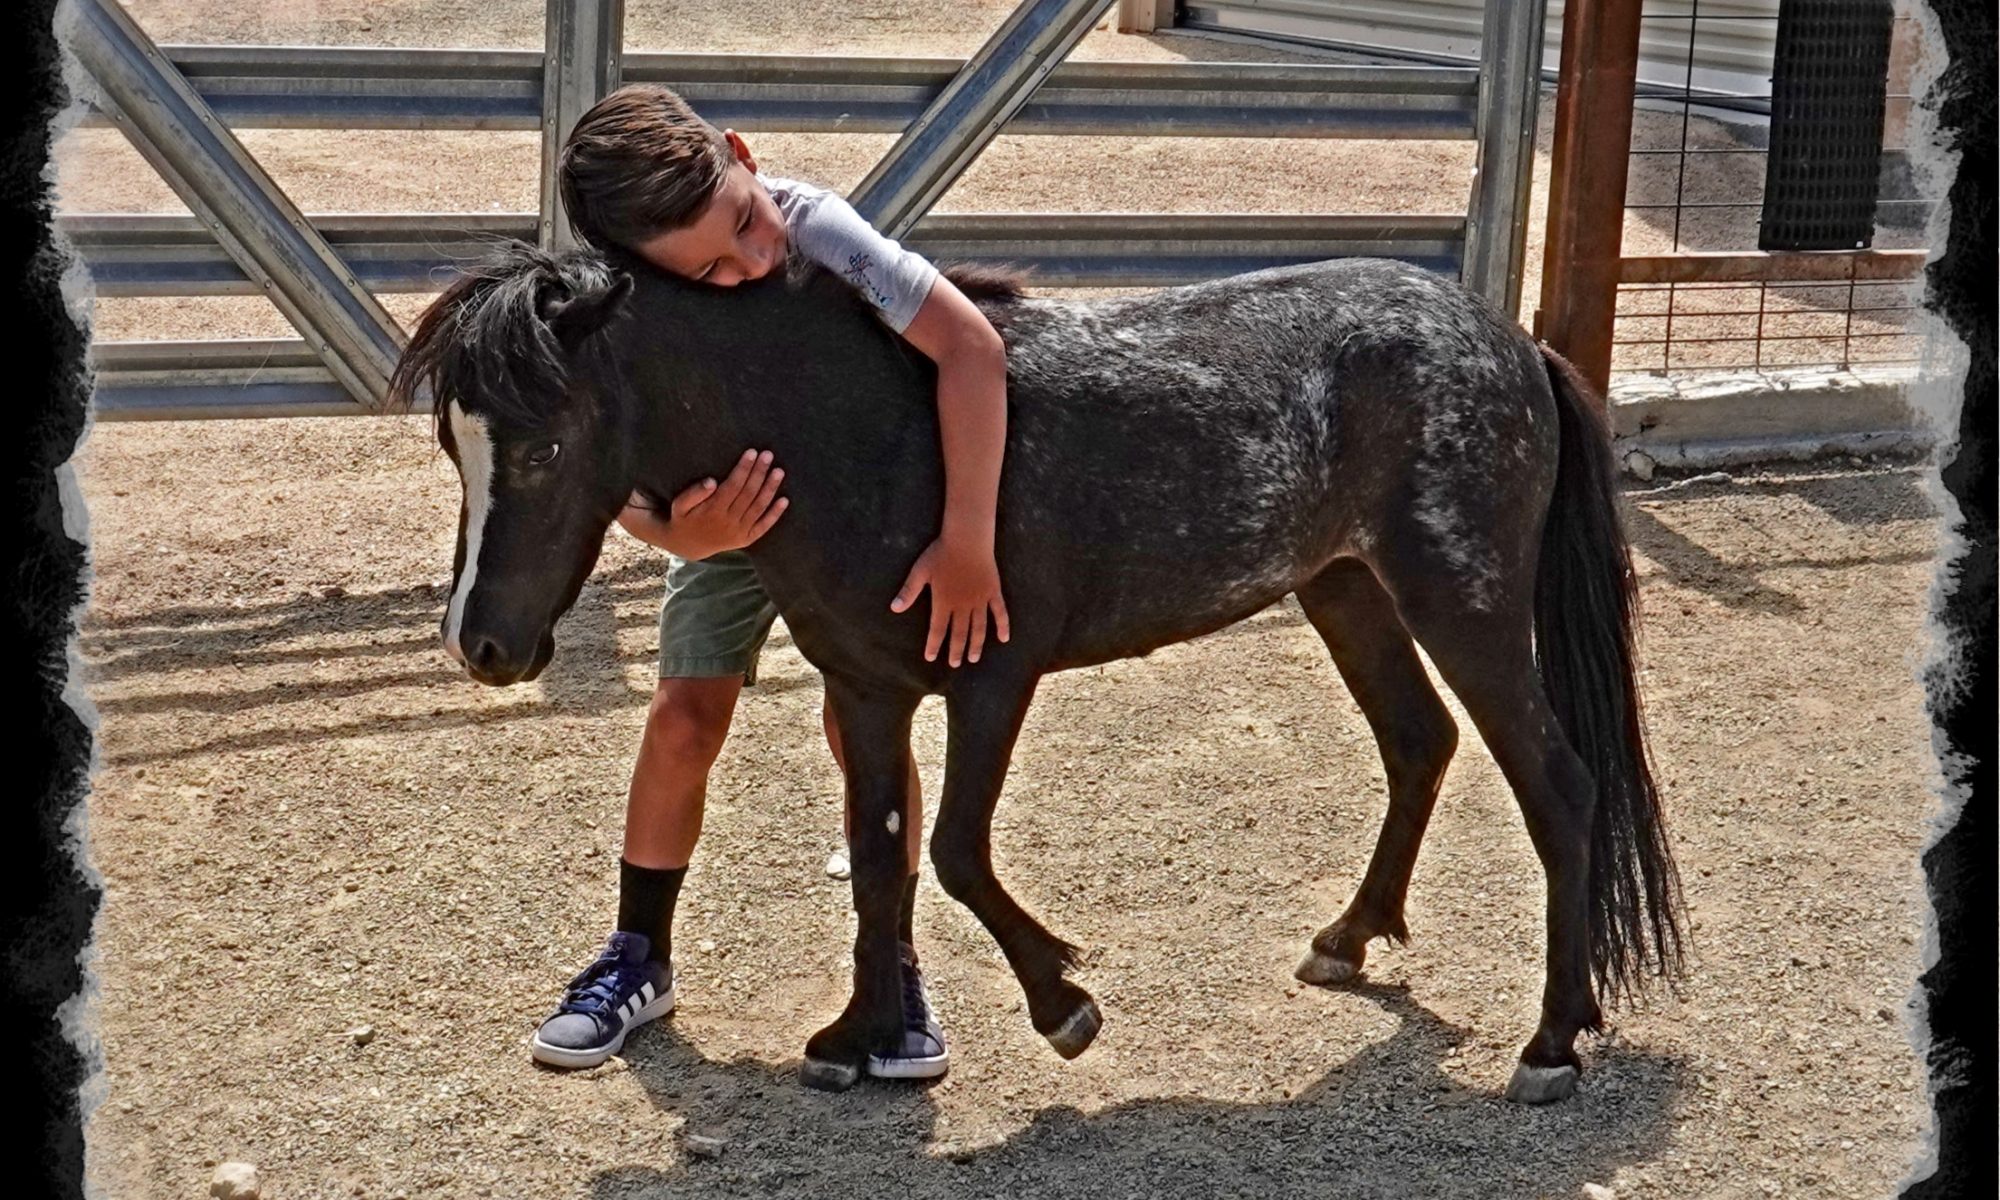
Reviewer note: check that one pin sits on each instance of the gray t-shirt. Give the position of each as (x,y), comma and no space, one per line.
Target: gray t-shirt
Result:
(826,229)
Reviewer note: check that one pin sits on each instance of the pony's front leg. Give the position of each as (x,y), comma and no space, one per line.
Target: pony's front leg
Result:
(985,710)
(875,739)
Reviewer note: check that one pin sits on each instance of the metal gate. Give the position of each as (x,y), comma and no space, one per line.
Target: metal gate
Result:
(179,106)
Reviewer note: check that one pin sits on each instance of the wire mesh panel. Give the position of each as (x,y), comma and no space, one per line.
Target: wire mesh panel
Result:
(1829,84)
(1703,285)
(1711,326)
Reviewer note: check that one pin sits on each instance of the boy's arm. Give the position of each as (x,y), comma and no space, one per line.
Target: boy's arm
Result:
(936,318)
(972,419)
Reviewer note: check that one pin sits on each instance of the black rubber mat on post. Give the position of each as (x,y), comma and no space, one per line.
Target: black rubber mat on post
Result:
(1828,83)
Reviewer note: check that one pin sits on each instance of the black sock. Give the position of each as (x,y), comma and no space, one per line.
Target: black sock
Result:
(906,916)
(646,897)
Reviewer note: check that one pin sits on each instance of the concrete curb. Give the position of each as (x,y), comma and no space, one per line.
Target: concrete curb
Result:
(1727,419)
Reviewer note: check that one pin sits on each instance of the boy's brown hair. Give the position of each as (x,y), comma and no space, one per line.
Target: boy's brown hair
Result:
(639,163)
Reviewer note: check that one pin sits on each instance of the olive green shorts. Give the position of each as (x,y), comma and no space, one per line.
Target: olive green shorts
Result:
(714,619)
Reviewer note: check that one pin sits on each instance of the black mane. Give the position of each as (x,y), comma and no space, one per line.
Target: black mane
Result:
(484,342)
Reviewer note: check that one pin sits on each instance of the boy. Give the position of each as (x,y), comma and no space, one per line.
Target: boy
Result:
(642,171)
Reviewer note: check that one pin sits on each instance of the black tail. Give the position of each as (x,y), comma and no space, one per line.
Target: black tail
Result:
(1586,629)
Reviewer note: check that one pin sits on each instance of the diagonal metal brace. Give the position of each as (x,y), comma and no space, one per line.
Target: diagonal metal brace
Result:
(175,130)
(994,83)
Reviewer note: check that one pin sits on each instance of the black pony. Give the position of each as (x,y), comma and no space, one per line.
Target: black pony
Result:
(1361,434)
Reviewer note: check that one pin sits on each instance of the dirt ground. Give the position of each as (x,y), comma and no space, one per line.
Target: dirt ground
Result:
(308,822)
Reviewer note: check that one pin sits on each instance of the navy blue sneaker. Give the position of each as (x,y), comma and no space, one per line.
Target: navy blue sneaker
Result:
(921,1054)
(619,992)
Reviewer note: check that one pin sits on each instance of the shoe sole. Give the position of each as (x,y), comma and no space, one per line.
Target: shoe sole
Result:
(562,1056)
(908,1068)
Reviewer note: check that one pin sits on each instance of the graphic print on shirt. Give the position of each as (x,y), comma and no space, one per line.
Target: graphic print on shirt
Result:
(858,265)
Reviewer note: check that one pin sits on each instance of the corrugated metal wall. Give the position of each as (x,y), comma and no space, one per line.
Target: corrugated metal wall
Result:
(1732,48)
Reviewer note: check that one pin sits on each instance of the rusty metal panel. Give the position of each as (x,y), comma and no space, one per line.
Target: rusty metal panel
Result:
(1800,267)
(1593,128)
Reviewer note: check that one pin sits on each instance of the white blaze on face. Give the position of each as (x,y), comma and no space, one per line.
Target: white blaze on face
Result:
(475,470)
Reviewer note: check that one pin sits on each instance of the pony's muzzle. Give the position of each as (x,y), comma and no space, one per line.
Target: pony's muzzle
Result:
(487,660)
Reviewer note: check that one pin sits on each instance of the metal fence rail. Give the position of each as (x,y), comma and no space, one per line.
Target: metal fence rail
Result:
(417,252)
(246,377)
(583,55)
(968,114)
(262,233)
(147,255)
(1510,89)
(312,87)
(1733,56)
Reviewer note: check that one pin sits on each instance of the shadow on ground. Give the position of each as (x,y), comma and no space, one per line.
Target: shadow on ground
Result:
(1857,501)
(1388,1122)
(398,628)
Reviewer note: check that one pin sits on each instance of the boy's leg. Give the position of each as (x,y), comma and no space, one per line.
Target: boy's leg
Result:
(712,625)
(686,725)
(913,833)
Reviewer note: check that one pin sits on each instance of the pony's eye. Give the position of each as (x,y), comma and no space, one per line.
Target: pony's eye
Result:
(544,456)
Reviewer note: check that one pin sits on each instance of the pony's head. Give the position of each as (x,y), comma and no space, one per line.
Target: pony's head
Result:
(527,406)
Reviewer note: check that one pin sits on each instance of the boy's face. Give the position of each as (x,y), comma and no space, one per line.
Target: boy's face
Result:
(740,235)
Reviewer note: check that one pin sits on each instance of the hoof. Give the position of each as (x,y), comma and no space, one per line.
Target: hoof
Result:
(1323,969)
(1541,1085)
(1074,1035)
(828,1076)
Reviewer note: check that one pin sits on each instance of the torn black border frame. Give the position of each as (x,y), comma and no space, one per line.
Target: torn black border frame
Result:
(50,905)
(1958,990)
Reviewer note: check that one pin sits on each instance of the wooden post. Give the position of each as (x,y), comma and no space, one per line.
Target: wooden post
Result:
(1593,145)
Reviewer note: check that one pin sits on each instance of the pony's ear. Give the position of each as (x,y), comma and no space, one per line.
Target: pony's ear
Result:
(575,317)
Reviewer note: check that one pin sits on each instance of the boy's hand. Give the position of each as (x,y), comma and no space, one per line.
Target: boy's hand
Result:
(964,584)
(709,518)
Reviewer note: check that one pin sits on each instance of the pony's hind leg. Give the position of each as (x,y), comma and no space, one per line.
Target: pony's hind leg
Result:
(1487,659)
(1416,736)
(984,714)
